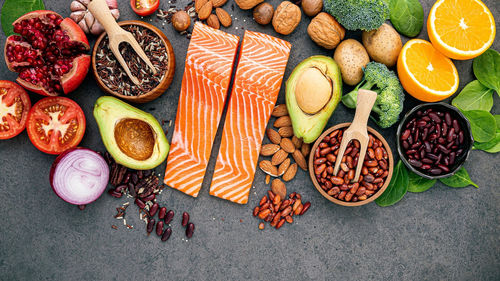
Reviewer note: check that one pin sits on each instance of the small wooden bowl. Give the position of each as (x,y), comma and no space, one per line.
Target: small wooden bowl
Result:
(164,83)
(341,202)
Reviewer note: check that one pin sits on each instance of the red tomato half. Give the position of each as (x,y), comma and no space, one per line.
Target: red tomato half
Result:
(144,7)
(56,124)
(14,107)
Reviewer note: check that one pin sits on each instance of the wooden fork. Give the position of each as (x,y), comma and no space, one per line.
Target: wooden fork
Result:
(358,130)
(117,35)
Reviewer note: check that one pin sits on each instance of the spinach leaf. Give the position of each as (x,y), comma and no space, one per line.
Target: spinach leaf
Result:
(497,118)
(474,96)
(487,69)
(459,179)
(417,183)
(13,9)
(482,124)
(493,146)
(397,187)
(407,16)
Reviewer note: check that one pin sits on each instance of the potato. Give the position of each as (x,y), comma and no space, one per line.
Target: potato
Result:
(383,44)
(351,57)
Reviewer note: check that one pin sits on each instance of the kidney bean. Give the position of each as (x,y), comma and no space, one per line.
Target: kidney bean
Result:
(166,234)
(139,203)
(190,230)
(185,218)
(131,189)
(150,225)
(153,209)
(337,180)
(348,197)
(169,216)
(162,213)
(306,207)
(319,169)
(149,197)
(444,168)
(435,171)
(447,118)
(320,160)
(159,228)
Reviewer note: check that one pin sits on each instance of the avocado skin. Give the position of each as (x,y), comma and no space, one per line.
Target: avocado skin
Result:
(108,111)
(307,126)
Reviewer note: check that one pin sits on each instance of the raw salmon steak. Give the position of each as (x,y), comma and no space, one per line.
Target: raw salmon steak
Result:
(209,63)
(261,66)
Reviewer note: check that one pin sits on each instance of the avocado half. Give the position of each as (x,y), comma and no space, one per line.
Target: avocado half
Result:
(133,137)
(313,91)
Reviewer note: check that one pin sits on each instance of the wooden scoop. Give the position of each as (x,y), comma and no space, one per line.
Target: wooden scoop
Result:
(117,35)
(358,130)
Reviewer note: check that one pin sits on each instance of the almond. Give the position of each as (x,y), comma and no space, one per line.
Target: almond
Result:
(213,21)
(224,17)
(268,179)
(205,10)
(218,3)
(279,157)
(273,136)
(278,187)
(280,110)
(305,149)
(198,4)
(287,145)
(297,142)
(290,172)
(285,132)
(299,159)
(284,166)
(283,121)
(269,149)
(268,168)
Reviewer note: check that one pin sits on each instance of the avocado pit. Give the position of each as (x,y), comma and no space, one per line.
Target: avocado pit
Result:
(313,90)
(135,138)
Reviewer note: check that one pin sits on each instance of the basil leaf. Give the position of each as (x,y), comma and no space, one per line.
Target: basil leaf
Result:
(13,9)
(493,146)
(417,183)
(482,124)
(459,179)
(474,96)
(397,187)
(407,16)
(487,69)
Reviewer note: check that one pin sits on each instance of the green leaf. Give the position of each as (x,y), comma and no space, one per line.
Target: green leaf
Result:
(407,16)
(493,146)
(487,69)
(482,124)
(497,118)
(474,96)
(397,187)
(13,9)
(459,179)
(417,183)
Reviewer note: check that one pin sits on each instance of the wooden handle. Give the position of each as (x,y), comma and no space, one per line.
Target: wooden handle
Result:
(366,99)
(100,11)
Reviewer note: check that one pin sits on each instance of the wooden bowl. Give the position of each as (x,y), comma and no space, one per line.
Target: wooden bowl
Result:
(341,202)
(164,83)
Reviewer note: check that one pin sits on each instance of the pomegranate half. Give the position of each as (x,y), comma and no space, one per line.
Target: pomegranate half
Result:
(50,54)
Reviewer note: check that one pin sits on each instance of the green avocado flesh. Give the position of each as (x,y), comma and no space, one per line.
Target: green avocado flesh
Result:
(133,137)
(311,103)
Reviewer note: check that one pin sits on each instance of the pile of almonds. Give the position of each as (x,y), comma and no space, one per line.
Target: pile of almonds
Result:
(272,209)
(204,10)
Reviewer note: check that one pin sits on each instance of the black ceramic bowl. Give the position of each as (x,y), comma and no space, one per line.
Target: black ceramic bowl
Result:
(466,146)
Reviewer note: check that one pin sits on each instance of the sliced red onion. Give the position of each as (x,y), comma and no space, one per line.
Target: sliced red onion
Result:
(79,176)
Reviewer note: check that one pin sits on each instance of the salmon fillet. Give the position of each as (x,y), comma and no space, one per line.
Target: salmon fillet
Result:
(209,63)
(258,79)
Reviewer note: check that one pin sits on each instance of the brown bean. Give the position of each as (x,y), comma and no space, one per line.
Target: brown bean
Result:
(371,163)
(286,211)
(348,197)
(361,191)
(255,211)
(264,213)
(280,224)
(337,180)
(276,219)
(325,151)
(319,169)
(354,188)
(289,219)
(320,161)
(285,204)
(344,167)
(265,206)
(277,199)
(306,207)
(382,164)
(330,157)
(342,195)
(370,153)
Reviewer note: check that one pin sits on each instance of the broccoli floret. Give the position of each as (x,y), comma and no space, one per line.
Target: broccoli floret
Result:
(358,14)
(390,97)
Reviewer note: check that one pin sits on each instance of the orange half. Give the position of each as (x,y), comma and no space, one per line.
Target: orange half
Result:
(425,73)
(461,29)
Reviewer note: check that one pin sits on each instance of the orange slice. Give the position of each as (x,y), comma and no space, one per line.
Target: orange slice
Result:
(425,73)
(461,29)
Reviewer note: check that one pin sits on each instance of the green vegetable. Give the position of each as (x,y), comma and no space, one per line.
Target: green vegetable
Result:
(474,96)
(397,187)
(417,183)
(13,9)
(459,179)
(389,103)
(497,118)
(358,14)
(493,146)
(482,124)
(407,16)
(487,69)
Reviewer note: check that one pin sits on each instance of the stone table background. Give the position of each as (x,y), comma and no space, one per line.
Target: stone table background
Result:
(441,234)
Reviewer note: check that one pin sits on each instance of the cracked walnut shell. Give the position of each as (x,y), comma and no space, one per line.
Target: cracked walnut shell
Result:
(286,17)
(325,31)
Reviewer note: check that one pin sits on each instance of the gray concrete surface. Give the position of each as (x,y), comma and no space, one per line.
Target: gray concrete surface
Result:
(442,234)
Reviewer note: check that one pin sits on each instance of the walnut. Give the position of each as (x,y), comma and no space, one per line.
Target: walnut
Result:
(247,4)
(325,31)
(286,17)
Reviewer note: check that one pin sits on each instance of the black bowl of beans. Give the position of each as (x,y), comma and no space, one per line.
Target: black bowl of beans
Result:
(434,140)
(340,189)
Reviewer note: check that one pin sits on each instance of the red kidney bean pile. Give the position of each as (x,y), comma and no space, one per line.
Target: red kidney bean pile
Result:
(143,185)
(272,209)
(432,141)
(373,174)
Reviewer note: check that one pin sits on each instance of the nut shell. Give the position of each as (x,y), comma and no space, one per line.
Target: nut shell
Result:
(312,7)
(263,13)
(325,31)
(248,4)
(286,17)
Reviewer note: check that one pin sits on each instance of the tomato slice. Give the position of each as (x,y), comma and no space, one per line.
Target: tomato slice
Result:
(144,7)
(55,124)
(14,107)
